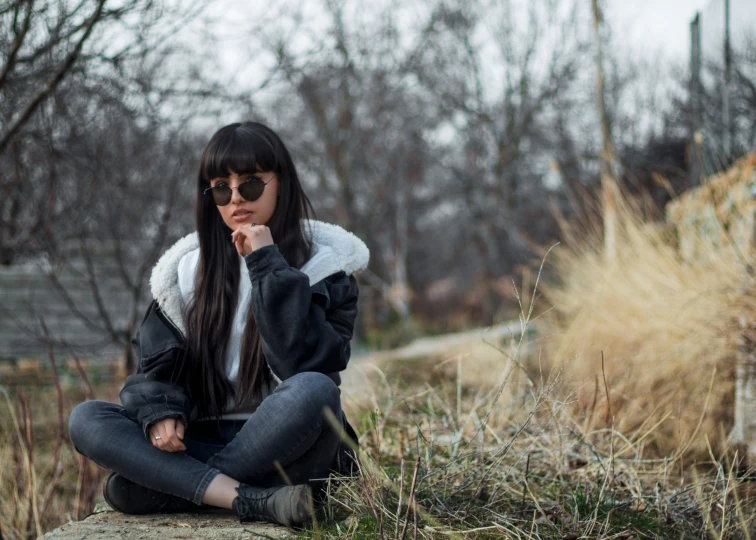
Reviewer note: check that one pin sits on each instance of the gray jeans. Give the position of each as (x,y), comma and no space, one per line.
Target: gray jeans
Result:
(289,426)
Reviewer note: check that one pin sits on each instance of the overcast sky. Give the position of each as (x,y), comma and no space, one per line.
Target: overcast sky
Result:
(657,24)
(653,26)
(656,29)
(664,25)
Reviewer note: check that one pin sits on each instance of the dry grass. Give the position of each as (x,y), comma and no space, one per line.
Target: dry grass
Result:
(44,482)
(443,457)
(667,330)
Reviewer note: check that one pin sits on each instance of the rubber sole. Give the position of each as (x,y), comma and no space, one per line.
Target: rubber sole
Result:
(128,497)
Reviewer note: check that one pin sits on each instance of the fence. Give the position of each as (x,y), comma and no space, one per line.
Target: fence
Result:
(723,57)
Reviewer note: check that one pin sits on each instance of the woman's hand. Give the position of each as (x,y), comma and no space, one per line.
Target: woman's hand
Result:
(248,238)
(171,432)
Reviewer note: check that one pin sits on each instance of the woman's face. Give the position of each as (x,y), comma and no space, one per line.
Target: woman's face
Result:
(259,211)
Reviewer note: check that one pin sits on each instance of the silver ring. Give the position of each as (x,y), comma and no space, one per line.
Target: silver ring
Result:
(157,437)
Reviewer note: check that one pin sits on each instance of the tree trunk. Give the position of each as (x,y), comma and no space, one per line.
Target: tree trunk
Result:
(400,288)
(129,360)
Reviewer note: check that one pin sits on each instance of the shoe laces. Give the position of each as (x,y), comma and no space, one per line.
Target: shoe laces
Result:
(252,504)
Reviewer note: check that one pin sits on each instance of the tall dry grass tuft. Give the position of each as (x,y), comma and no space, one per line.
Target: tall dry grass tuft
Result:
(43,481)
(660,331)
(444,455)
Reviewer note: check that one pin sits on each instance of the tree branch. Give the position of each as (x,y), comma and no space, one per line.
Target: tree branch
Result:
(53,84)
(18,41)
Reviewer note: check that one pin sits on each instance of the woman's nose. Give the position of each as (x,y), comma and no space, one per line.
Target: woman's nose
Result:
(236,196)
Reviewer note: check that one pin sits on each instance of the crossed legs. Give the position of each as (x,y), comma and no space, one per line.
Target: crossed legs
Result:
(288,427)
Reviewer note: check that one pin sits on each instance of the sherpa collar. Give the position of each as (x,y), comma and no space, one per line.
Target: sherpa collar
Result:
(334,249)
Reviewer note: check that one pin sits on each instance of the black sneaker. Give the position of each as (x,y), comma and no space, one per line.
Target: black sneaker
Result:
(286,505)
(130,498)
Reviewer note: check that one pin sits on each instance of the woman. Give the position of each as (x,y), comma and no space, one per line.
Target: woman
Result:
(239,351)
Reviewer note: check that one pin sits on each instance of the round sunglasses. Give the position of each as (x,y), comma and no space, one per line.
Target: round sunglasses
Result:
(250,190)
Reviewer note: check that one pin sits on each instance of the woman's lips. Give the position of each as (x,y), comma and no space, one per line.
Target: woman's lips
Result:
(242,217)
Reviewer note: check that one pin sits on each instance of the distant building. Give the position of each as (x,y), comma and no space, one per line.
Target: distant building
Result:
(69,306)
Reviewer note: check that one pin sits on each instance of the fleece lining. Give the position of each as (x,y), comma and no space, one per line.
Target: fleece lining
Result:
(334,249)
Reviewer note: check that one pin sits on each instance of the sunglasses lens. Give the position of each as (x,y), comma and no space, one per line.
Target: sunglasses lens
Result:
(221,195)
(252,189)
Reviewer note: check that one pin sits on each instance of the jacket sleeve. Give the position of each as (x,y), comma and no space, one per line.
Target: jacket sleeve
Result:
(155,392)
(302,327)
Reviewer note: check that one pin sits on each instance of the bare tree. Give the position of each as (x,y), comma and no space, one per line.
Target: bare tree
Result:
(497,172)
(68,36)
(60,62)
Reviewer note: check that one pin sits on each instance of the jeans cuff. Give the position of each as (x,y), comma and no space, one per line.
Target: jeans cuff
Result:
(200,491)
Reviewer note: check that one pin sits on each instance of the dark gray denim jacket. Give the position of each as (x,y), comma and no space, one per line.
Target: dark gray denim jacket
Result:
(303,327)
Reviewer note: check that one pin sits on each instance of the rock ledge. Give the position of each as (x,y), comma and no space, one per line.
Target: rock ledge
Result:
(105,523)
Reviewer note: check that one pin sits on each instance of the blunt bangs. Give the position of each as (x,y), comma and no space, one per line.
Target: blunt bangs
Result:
(241,150)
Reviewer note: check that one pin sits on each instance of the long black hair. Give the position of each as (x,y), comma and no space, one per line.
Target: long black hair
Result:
(244,147)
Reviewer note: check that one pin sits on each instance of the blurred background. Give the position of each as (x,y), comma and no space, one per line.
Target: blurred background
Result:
(450,136)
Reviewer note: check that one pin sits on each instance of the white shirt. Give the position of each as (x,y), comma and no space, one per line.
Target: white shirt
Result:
(187,268)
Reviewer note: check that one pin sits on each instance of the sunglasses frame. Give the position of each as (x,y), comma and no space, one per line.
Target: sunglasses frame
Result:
(251,180)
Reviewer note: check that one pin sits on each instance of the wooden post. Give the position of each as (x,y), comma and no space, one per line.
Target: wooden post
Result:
(695,101)
(726,118)
(609,190)
(743,433)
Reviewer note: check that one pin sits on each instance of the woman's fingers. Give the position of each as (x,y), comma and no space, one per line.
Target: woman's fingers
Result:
(238,239)
(177,436)
(239,243)
(158,435)
(172,442)
(160,428)
(235,235)
(166,430)
(248,238)
(249,227)
(153,433)
(170,434)
(175,439)
(169,440)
